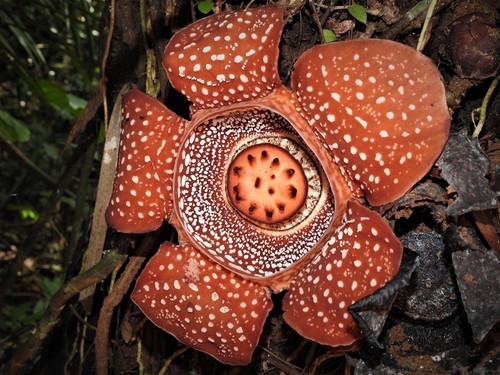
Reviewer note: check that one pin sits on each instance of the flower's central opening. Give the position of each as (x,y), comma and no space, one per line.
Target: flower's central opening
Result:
(266,184)
(250,194)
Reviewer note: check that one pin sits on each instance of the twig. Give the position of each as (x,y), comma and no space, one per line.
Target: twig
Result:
(87,114)
(417,10)
(484,106)
(105,60)
(160,21)
(138,358)
(317,21)
(104,188)
(485,222)
(400,24)
(422,40)
(310,354)
(152,86)
(279,363)
(114,298)
(106,313)
(169,360)
(321,359)
(29,350)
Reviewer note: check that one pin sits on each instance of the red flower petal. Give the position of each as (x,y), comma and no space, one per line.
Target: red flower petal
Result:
(361,257)
(380,106)
(201,304)
(150,137)
(226,58)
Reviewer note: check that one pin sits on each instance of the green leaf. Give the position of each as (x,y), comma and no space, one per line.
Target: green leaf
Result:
(358,12)
(51,151)
(76,103)
(50,286)
(101,137)
(39,309)
(329,35)
(67,105)
(12,129)
(26,212)
(205,6)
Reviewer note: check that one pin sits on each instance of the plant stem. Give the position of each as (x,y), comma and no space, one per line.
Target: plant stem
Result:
(484,106)
(423,39)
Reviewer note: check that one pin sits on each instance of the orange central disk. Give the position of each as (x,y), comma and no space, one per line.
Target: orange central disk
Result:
(266,184)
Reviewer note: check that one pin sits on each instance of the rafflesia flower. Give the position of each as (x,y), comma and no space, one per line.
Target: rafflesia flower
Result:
(267,185)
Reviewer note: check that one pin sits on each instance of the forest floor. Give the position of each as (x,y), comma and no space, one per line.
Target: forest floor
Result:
(444,322)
